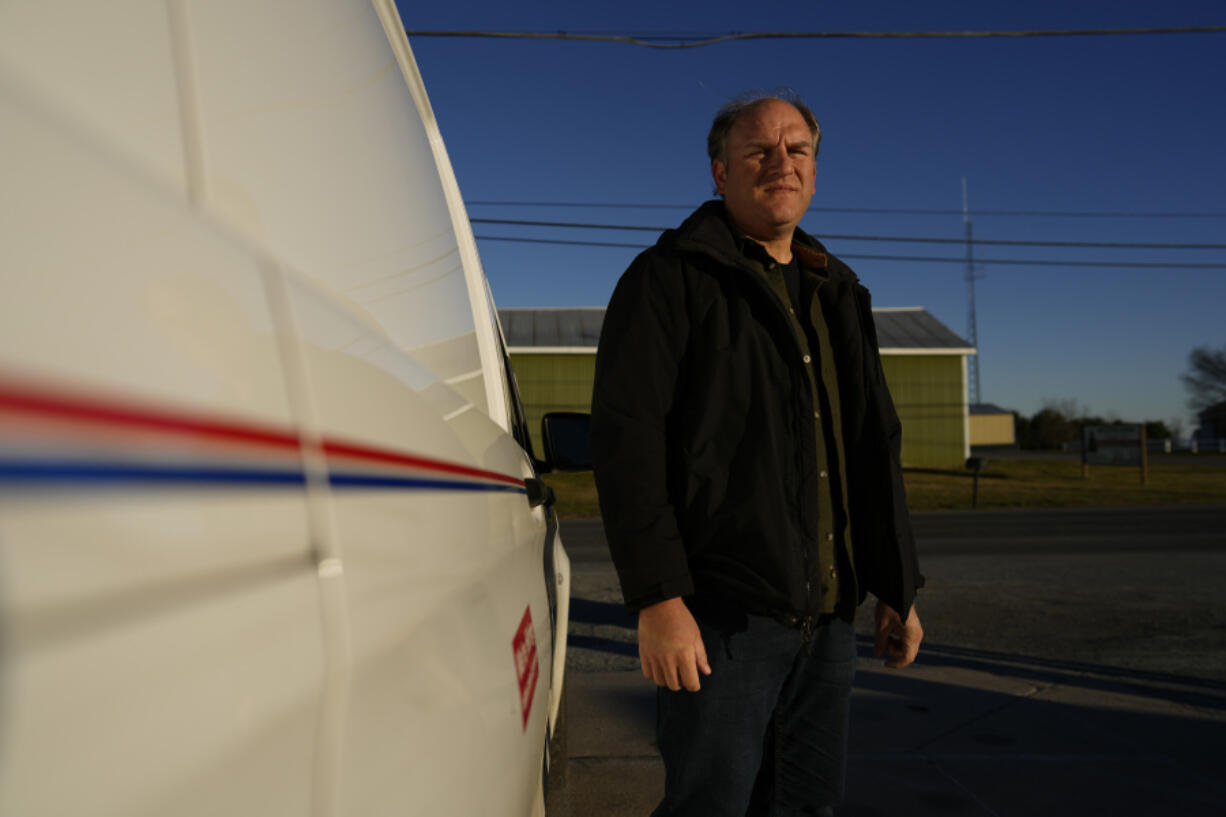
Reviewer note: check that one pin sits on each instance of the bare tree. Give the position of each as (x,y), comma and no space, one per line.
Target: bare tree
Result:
(1066,408)
(1205,378)
(1054,424)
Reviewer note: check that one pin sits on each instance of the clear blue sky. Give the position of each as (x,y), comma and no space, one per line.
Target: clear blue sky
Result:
(1118,124)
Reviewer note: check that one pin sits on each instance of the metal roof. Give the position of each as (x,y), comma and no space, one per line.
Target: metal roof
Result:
(574,328)
(907,330)
(913,329)
(987,408)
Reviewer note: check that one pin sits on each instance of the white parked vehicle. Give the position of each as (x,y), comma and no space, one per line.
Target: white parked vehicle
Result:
(270,540)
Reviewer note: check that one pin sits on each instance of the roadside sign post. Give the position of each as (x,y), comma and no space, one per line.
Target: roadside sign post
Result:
(1085,464)
(1114,445)
(975,464)
(1144,458)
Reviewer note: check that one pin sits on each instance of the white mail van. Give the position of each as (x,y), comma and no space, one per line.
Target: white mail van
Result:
(271,542)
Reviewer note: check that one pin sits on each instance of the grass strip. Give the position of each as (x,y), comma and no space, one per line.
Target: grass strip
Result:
(1040,483)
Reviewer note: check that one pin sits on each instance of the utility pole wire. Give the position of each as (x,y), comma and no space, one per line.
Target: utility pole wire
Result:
(878,210)
(700,40)
(926,258)
(903,239)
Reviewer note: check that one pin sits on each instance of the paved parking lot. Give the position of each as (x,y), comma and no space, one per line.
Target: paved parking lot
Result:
(1083,679)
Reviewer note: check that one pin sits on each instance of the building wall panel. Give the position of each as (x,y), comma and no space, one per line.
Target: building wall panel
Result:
(553,382)
(927,389)
(992,429)
(929,396)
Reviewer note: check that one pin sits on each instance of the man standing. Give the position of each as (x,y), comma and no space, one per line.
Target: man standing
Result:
(747,458)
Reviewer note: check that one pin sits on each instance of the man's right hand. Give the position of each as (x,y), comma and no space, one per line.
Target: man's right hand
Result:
(670,646)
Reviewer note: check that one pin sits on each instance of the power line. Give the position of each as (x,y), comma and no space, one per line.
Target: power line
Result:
(610,205)
(922,258)
(562,242)
(680,41)
(877,210)
(902,239)
(1041,262)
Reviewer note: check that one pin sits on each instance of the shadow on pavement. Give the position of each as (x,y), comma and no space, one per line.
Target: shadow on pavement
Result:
(1178,689)
(962,732)
(586,611)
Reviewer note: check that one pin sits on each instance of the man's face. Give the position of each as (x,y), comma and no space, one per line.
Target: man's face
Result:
(768,177)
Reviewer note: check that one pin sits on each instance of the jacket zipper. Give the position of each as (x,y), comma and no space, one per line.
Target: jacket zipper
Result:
(806,621)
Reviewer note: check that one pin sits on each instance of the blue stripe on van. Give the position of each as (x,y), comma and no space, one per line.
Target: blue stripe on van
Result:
(34,472)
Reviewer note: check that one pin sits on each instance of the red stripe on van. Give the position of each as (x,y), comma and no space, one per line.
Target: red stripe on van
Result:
(26,399)
(375,455)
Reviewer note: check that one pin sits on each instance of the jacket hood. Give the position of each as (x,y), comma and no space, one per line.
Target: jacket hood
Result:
(708,231)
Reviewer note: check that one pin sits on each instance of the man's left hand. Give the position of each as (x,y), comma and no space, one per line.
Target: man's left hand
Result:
(897,638)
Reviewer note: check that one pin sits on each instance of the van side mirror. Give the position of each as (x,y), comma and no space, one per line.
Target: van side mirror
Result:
(565,435)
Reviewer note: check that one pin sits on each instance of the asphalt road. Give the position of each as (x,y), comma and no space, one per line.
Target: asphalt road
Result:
(1211,458)
(1072,530)
(1074,664)
(1135,588)
(1058,530)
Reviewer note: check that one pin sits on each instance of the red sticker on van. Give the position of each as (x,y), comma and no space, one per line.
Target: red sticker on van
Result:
(527,667)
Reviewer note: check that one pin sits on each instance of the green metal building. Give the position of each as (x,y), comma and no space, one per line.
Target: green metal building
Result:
(554,355)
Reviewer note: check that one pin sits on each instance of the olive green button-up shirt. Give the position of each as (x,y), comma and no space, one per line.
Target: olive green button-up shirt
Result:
(834,568)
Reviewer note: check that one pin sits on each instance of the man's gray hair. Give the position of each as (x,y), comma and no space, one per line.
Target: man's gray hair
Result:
(727,116)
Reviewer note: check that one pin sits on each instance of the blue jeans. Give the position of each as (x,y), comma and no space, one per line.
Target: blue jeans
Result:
(767,733)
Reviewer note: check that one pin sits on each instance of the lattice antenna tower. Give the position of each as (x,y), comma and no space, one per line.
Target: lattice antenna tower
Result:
(972,335)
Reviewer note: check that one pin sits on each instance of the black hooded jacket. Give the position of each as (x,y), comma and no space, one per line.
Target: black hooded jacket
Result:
(703,436)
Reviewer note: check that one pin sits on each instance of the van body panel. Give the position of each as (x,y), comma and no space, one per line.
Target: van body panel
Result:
(107,66)
(158,591)
(377,228)
(265,542)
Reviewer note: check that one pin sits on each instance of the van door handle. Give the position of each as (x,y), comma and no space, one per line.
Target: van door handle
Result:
(539,493)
